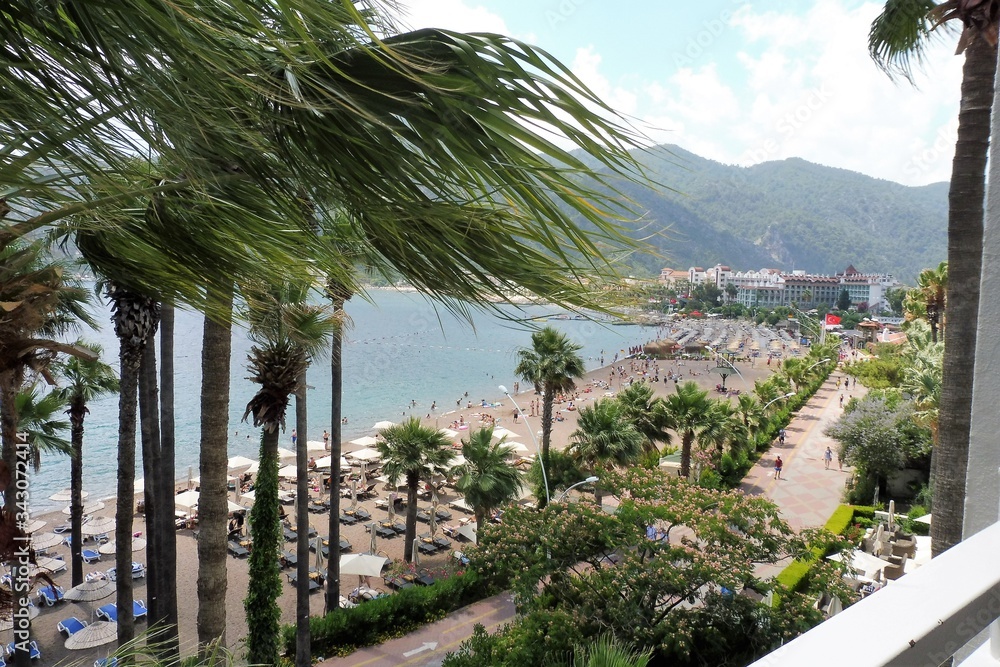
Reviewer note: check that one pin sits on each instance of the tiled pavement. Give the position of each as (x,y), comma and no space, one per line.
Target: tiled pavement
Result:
(807,492)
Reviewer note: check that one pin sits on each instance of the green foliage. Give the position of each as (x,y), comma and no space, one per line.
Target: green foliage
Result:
(261,603)
(563,472)
(843,300)
(377,620)
(879,373)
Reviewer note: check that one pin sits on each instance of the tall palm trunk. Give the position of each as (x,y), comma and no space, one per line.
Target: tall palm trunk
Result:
(167,539)
(412,486)
(135,319)
(548,397)
(336,432)
(77,413)
(950,459)
(261,605)
(687,440)
(153,474)
(302,639)
(212,506)
(15,458)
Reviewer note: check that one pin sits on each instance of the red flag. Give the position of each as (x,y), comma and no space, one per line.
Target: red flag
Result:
(832,319)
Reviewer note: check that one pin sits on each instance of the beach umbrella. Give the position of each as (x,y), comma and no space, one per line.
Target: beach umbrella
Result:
(433,522)
(390,509)
(362,565)
(43,541)
(91,591)
(284,454)
(371,548)
(8,623)
(364,475)
(319,554)
(34,525)
(366,454)
(95,634)
(354,494)
(365,441)
(416,551)
(66,496)
(892,514)
(98,526)
(468,531)
(138,544)
(288,472)
(89,508)
(237,462)
(383,424)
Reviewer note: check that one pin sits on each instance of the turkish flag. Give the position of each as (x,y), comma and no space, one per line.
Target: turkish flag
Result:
(832,319)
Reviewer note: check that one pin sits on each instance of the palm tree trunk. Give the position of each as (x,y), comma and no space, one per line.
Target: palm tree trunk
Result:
(336,401)
(165,493)
(127,405)
(10,383)
(548,396)
(212,507)
(412,486)
(153,472)
(77,412)
(263,614)
(302,639)
(950,459)
(686,441)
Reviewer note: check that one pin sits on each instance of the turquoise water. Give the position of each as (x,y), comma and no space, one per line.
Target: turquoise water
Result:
(397,349)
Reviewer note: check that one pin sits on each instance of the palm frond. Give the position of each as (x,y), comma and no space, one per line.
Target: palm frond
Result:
(900,36)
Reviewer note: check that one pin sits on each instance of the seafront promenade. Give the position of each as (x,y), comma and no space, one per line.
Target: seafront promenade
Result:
(807,494)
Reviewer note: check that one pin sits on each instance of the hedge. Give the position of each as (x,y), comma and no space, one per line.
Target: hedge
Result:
(391,616)
(794,575)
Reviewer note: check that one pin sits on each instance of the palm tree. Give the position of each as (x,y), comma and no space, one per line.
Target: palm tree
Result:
(135,319)
(86,380)
(38,425)
(899,34)
(689,413)
(339,294)
(932,287)
(645,413)
(550,364)
(286,331)
(607,652)
(413,451)
(487,480)
(605,437)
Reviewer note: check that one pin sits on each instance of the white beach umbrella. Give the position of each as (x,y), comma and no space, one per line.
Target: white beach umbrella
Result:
(8,623)
(433,522)
(89,508)
(285,453)
(390,510)
(324,462)
(237,462)
(416,551)
(516,446)
(98,526)
(365,441)
(34,525)
(91,591)
(501,432)
(42,541)
(892,514)
(66,496)
(362,565)
(366,454)
(468,531)
(383,424)
(371,547)
(354,494)
(138,544)
(288,472)
(95,634)
(319,554)
(449,433)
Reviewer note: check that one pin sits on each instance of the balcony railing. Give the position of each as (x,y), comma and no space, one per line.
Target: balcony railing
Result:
(921,619)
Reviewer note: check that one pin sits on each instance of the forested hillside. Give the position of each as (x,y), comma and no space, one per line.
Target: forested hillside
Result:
(788,214)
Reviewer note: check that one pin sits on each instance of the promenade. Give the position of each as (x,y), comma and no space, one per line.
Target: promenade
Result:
(807,494)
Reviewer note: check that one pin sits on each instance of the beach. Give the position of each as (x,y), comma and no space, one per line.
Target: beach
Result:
(499,408)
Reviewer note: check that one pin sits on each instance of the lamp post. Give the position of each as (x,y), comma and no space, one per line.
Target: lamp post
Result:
(538,451)
(773,400)
(589,480)
(722,357)
(821,361)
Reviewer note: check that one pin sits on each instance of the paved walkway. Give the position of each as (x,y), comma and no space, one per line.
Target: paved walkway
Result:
(807,495)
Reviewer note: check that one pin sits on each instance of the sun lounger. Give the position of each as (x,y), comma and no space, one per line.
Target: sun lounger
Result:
(138,571)
(109,612)
(90,556)
(347,519)
(50,595)
(139,610)
(345,545)
(106,662)
(33,650)
(71,625)
(290,535)
(289,559)
(237,550)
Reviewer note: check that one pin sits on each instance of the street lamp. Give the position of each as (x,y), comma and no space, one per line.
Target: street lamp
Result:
(721,357)
(538,451)
(773,400)
(821,361)
(589,480)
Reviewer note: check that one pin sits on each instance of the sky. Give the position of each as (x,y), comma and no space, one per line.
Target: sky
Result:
(742,82)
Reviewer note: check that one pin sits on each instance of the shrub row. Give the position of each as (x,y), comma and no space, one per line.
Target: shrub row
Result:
(376,621)
(795,575)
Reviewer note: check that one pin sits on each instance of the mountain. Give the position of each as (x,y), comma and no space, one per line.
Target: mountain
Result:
(787,214)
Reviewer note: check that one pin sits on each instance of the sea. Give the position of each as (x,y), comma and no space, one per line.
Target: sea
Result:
(400,348)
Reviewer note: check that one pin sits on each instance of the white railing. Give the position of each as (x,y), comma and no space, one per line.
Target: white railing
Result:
(921,619)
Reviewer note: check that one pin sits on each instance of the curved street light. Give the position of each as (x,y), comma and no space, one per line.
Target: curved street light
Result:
(821,361)
(589,480)
(774,400)
(746,387)
(538,451)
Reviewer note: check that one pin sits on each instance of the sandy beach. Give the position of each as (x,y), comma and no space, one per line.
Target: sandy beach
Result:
(501,409)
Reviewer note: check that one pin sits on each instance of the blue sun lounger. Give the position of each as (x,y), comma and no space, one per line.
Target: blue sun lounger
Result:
(50,595)
(71,625)
(33,650)
(89,556)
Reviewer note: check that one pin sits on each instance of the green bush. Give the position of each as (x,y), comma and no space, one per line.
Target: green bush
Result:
(841,518)
(793,577)
(375,621)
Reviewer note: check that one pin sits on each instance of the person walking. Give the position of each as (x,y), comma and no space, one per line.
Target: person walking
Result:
(777,467)
(781,437)
(326,440)
(827,457)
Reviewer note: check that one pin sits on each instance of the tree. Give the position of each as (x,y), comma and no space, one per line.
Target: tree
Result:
(843,300)
(689,412)
(899,34)
(550,364)
(86,380)
(645,413)
(731,291)
(932,287)
(604,437)
(413,452)
(487,480)
(894,297)
(608,652)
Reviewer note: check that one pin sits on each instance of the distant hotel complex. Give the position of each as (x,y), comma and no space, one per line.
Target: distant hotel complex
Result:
(768,288)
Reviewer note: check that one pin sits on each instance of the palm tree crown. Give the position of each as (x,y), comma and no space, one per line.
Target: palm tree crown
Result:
(689,413)
(487,479)
(604,436)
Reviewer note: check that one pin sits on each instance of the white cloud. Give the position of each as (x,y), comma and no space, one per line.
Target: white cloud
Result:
(455,15)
